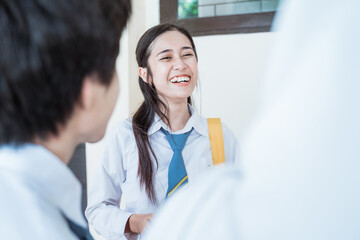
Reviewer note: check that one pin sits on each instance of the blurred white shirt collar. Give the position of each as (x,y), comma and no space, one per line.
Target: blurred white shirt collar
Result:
(45,176)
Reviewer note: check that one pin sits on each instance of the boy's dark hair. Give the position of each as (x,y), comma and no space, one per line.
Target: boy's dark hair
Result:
(47,48)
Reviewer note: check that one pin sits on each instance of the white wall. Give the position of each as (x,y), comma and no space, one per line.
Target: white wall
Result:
(230,69)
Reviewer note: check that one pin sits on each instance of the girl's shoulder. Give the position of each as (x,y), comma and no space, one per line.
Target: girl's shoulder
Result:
(121,131)
(224,126)
(228,133)
(124,125)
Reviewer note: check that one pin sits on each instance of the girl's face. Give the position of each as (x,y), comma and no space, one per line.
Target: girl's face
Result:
(173,66)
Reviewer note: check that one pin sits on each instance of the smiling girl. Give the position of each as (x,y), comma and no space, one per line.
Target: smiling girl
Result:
(144,161)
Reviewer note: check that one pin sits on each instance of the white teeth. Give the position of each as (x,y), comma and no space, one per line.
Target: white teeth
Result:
(180,79)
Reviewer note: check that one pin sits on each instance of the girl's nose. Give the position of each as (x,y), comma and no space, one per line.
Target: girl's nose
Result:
(179,64)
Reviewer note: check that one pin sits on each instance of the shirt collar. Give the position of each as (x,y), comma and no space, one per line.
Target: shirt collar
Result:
(195,121)
(52,179)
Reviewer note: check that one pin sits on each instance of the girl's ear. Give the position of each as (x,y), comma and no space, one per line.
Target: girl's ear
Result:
(143,74)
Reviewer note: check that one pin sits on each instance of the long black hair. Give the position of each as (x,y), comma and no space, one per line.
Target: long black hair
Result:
(145,114)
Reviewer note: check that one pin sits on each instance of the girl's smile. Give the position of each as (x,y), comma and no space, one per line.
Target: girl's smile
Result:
(181,80)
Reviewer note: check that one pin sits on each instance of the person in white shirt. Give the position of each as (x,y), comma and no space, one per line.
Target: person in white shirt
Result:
(301,159)
(138,155)
(58,88)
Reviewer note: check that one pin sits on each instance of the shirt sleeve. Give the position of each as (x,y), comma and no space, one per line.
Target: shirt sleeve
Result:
(103,211)
(231,145)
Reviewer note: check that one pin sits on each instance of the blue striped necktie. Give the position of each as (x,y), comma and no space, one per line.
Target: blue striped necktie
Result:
(177,175)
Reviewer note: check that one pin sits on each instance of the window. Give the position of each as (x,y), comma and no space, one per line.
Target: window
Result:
(210,17)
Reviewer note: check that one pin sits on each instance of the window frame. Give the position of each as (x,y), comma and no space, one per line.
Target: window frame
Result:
(242,23)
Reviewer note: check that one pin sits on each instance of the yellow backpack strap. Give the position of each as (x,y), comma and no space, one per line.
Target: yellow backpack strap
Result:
(216,140)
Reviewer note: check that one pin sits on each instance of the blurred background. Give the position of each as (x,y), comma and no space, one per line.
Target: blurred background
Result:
(233,42)
(232,58)
(318,188)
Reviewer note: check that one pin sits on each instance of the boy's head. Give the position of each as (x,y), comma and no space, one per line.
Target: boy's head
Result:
(52,54)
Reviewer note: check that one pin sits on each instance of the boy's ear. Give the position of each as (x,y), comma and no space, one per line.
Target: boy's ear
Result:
(143,74)
(88,93)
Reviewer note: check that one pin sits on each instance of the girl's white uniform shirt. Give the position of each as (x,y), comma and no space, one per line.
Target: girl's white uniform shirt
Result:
(117,174)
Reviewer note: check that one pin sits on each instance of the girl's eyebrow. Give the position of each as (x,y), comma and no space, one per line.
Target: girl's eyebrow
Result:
(164,51)
(187,47)
(170,50)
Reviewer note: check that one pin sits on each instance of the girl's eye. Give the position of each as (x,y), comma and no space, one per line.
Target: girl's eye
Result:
(188,55)
(165,58)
